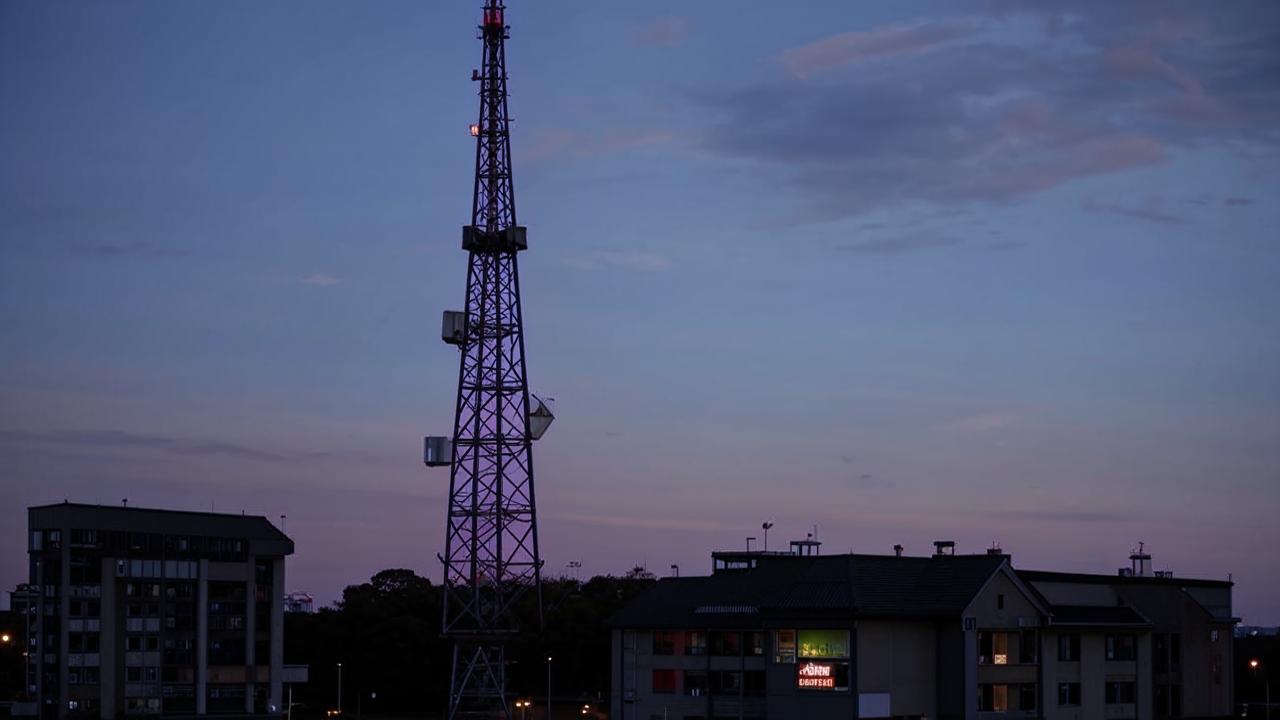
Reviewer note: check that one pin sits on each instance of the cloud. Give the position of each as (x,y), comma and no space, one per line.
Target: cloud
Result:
(320,280)
(1237,202)
(898,245)
(1149,211)
(114,440)
(625,259)
(853,47)
(995,111)
(662,32)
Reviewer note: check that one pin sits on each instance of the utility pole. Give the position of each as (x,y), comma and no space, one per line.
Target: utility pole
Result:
(491,546)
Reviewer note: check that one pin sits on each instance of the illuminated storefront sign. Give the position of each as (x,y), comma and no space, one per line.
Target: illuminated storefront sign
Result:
(816,675)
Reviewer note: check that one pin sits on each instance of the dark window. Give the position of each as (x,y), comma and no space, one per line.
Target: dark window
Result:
(753,683)
(725,643)
(726,682)
(695,682)
(1121,647)
(1069,647)
(1000,601)
(1160,653)
(1068,693)
(1027,699)
(754,644)
(1028,648)
(664,642)
(1120,693)
(664,681)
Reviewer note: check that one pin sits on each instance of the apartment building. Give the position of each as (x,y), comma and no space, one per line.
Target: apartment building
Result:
(155,612)
(795,635)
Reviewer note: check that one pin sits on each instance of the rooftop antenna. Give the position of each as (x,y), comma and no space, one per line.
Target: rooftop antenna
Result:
(675,570)
(124,502)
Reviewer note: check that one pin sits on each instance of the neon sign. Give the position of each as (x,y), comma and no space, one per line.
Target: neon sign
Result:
(816,675)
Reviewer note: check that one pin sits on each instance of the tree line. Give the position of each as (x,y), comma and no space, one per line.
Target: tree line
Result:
(386,635)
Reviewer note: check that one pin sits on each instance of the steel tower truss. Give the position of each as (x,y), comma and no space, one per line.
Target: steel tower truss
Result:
(491,551)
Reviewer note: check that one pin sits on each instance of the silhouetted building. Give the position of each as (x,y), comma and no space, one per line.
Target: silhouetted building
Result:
(149,612)
(785,635)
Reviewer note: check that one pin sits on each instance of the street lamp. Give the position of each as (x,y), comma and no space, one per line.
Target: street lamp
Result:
(339,688)
(1254,665)
(523,705)
(548,687)
(5,638)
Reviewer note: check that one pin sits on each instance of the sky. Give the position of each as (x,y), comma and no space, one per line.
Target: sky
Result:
(903,271)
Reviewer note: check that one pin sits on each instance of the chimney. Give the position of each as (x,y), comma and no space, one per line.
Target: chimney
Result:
(897,551)
(944,548)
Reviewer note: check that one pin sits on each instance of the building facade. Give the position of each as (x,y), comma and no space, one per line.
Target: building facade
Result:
(788,636)
(155,612)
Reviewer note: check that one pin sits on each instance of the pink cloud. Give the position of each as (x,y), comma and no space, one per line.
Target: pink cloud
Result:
(859,46)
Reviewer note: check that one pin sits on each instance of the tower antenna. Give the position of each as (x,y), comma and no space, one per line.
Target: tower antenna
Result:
(491,545)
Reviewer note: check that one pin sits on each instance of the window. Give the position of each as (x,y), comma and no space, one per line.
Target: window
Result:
(993,697)
(1028,648)
(695,683)
(664,642)
(993,648)
(1120,693)
(753,683)
(664,681)
(784,646)
(725,643)
(726,682)
(823,643)
(1000,601)
(1027,699)
(1121,647)
(754,644)
(1068,694)
(1069,647)
(695,643)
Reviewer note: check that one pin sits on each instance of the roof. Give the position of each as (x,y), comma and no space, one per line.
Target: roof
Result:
(264,538)
(1098,615)
(1047,576)
(830,587)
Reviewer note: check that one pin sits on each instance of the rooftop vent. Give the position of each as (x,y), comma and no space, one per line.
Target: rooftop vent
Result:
(944,548)
(897,550)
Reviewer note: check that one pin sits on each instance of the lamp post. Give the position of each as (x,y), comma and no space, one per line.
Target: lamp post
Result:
(339,688)
(523,705)
(548,687)
(1254,665)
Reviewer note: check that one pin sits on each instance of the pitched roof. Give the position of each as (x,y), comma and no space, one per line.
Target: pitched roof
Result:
(830,586)
(1098,615)
(1092,579)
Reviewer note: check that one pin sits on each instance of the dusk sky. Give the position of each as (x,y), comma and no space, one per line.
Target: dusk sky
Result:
(904,270)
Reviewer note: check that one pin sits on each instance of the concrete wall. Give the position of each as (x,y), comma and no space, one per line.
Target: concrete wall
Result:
(899,658)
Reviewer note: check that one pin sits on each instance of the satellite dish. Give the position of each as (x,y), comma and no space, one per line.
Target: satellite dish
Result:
(540,416)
